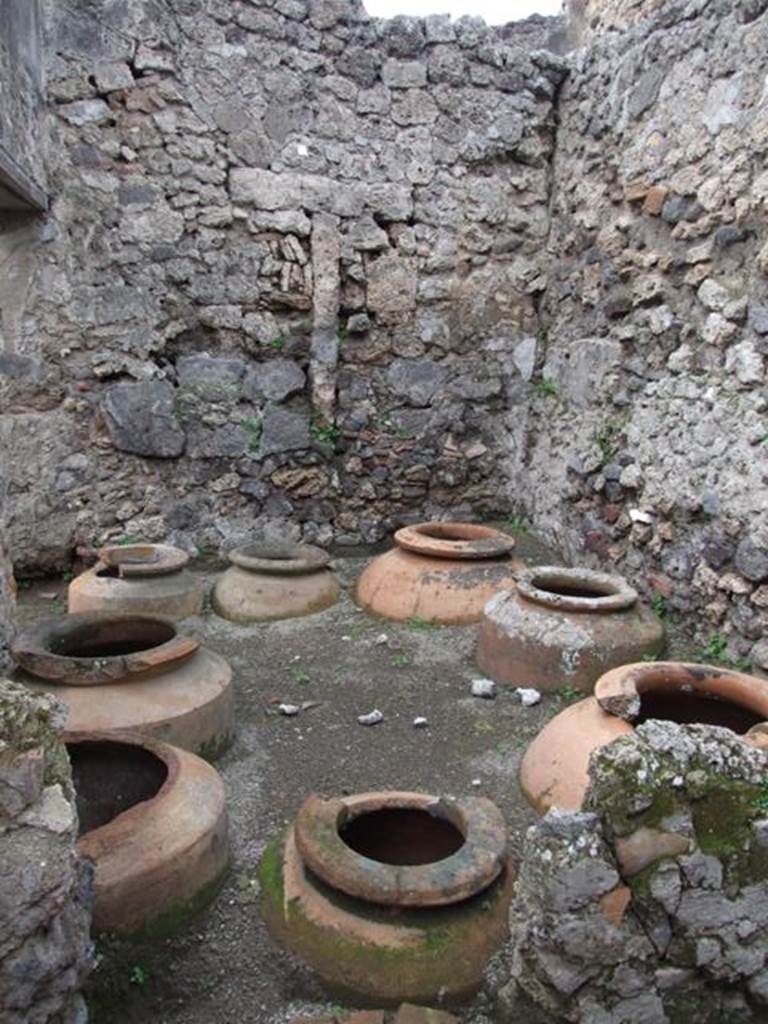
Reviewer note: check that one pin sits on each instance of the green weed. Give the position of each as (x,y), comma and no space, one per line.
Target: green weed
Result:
(659,606)
(321,430)
(400,662)
(516,524)
(417,625)
(138,976)
(570,693)
(546,387)
(716,651)
(253,427)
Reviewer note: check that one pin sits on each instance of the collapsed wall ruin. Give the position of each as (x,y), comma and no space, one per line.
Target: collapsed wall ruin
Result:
(45,886)
(651,904)
(308,274)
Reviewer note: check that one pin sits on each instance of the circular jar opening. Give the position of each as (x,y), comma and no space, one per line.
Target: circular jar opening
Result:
(446,531)
(280,559)
(140,560)
(401,836)
(454,540)
(569,590)
(276,553)
(112,638)
(688,708)
(575,590)
(110,778)
(109,572)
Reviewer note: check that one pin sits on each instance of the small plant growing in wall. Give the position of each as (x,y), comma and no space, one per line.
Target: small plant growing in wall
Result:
(715,651)
(320,429)
(659,606)
(277,343)
(138,976)
(546,388)
(253,428)
(516,524)
(607,439)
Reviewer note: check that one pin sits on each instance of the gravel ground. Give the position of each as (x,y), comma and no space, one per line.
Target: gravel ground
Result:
(223,968)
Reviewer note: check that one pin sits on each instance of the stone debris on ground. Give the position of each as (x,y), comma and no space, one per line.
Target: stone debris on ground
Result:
(528,695)
(289,710)
(374,717)
(485,688)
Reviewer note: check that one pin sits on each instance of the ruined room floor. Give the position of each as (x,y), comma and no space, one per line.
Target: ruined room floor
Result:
(223,968)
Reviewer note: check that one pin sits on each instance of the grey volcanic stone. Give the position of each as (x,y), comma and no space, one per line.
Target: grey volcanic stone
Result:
(283,431)
(141,419)
(645,91)
(275,380)
(752,561)
(211,377)
(85,112)
(416,380)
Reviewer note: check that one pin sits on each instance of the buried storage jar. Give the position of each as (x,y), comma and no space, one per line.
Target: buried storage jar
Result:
(117,672)
(153,820)
(275,581)
(564,627)
(439,572)
(554,770)
(142,579)
(391,896)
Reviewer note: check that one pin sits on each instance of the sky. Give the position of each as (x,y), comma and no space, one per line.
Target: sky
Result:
(495,12)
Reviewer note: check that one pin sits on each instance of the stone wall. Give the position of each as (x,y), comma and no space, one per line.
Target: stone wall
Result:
(310,274)
(588,18)
(45,888)
(651,905)
(646,446)
(289,282)
(7,587)
(22,149)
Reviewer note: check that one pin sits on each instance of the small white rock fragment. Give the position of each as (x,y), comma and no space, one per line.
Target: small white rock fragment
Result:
(484,688)
(420,723)
(528,696)
(380,639)
(638,516)
(289,710)
(477,782)
(372,718)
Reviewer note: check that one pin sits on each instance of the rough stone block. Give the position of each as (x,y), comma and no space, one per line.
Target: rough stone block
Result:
(392,281)
(84,112)
(213,378)
(141,418)
(404,74)
(274,380)
(283,431)
(418,381)
(111,76)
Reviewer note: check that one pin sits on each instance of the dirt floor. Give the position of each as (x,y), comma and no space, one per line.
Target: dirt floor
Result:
(223,968)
